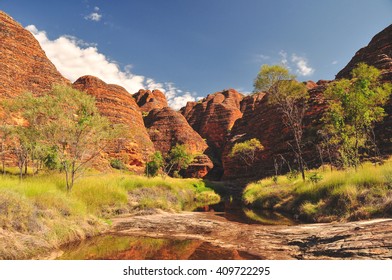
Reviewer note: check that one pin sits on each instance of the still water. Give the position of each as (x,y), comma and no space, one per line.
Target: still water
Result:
(120,247)
(112,247)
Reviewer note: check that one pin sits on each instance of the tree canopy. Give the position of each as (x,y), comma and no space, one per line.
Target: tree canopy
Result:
(290,98)
(355,105)
(64,122)
(246,151)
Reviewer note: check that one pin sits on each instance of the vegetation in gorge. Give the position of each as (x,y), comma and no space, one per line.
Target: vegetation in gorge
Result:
(176,160)
(354,106)
(338,195)
(62,125)
(246,151)
(290,97)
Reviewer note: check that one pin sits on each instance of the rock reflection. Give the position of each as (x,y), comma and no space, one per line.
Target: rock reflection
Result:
(112,247)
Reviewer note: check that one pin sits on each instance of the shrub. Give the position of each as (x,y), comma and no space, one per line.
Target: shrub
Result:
(117,164)
(315,177)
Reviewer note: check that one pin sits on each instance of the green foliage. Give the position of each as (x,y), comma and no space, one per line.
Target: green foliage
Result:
(117,163)
(292,175)
(51,159)
(64,120)
(269,76)
(246,151)
(154,165)
(179,156)
(290,98)
(315,177)
(354,107)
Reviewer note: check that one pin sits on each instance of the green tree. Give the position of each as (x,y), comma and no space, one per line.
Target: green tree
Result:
(355,105)
(177,159)
(154,165)
(246,151)
(290,97)
(68,122)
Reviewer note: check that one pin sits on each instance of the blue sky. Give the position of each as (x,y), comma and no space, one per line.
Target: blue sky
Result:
(192,48)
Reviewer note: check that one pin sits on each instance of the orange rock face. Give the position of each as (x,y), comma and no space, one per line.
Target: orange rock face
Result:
(149,100)
(24,65)
(118,106)
(167,128)
(200,167)
(264,122)
(214,116)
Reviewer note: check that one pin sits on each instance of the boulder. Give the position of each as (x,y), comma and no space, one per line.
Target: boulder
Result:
(148,100)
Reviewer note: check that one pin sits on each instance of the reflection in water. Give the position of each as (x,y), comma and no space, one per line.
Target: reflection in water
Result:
(235,212)
(112,247)
(266,217)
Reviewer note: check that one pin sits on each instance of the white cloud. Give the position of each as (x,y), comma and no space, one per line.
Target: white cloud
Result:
(261,57)
(283,58)
(75,58)
(302,66)
(94,16)
(334,62)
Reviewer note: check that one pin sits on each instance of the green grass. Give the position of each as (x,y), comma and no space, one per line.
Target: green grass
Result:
(39,207)
(338,195)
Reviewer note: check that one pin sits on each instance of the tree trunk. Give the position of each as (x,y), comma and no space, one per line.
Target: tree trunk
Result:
(25,166)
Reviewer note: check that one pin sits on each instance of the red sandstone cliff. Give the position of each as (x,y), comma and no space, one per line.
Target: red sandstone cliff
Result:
(262,121)
(24,65)
(167,128)
(117,104)
(214,116)
(148,100)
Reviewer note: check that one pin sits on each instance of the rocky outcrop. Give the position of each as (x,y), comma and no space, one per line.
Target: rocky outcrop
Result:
(118,106)
(263,121)
(200,167)
(24,65)
(377,53)
(214,116)
(167,128)
(148,100)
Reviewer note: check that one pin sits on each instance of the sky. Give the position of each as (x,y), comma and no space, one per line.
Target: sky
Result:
(190,48)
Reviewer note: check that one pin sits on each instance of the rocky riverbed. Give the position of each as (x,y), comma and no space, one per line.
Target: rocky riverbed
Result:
(353,240)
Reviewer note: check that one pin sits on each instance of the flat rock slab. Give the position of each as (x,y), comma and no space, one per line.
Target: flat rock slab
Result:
(353,240)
